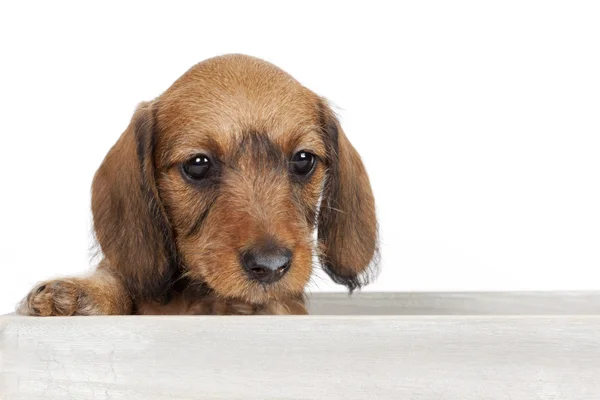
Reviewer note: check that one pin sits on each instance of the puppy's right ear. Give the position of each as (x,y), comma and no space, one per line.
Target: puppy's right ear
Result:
(347,225)
(129,219)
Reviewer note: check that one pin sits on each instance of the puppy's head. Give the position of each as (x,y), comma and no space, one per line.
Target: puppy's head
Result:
(224,179)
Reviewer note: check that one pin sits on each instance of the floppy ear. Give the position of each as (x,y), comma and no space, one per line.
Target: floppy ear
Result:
(129,219)
(347,225)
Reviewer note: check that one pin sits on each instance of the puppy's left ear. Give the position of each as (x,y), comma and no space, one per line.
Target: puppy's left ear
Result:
(347,225)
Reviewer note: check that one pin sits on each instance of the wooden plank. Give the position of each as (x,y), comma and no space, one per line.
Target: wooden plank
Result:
(315,357)
(517,345)
(457,303)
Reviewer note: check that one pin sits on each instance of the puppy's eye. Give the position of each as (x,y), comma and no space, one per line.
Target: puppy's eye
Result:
(197,167)
(303,163)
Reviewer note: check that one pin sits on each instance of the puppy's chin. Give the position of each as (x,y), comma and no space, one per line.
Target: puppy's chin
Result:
(240,287)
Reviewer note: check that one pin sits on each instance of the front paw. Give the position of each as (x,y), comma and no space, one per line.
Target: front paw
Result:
(60,297)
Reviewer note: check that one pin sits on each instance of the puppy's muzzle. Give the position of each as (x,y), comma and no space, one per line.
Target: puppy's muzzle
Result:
(267,265)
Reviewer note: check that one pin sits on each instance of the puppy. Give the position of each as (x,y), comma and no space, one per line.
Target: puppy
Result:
(209,201)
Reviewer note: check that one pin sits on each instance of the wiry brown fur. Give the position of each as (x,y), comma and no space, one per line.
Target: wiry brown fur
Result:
(172,246)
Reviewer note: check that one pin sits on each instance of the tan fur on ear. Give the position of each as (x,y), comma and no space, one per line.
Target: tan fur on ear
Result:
(347,225)
(130,222)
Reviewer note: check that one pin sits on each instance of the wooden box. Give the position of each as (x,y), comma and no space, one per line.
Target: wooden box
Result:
(369,346)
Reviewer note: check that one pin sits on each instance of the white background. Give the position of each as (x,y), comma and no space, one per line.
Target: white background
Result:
(479,123)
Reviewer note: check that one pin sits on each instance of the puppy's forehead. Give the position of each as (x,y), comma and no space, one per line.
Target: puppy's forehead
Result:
(226,97)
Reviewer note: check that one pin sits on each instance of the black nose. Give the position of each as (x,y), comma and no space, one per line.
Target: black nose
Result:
(267,265)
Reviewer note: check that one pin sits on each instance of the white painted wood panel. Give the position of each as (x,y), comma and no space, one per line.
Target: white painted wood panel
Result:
(456,303)
(416,357)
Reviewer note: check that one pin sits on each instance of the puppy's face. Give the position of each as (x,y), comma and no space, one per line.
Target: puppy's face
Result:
(241,163)
(234,161)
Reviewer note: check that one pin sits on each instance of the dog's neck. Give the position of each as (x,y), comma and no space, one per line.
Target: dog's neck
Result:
(183,286)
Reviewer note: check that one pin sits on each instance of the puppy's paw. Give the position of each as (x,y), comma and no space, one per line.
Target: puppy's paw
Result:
(60,297)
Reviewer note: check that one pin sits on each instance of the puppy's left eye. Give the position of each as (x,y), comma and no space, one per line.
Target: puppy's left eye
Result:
(197,167)
(303,163)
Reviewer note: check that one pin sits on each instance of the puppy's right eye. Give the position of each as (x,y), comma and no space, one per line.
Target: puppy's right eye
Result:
(197,167)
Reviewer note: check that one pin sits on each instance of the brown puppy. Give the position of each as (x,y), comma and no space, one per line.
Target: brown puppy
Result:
(208,202)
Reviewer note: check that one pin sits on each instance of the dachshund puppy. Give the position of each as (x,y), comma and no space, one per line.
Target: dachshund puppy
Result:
(209,201)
